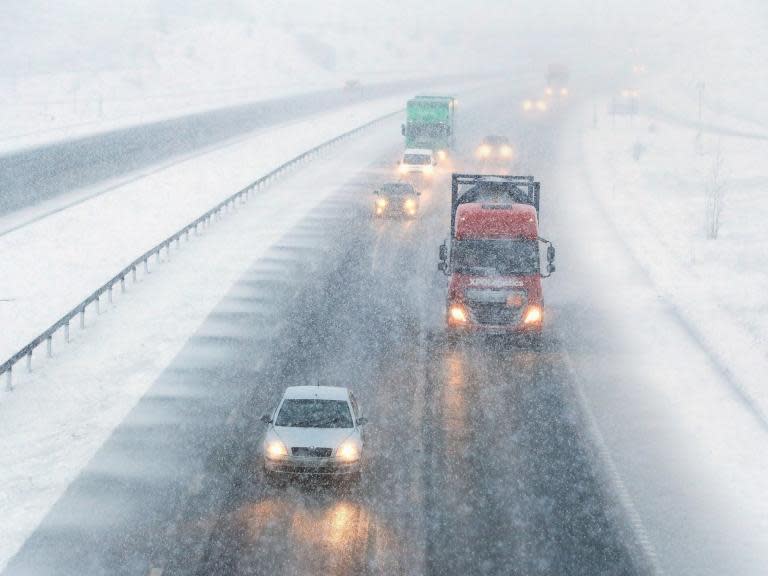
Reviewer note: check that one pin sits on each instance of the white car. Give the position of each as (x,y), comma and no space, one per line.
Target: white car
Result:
(417,161)
(314,431)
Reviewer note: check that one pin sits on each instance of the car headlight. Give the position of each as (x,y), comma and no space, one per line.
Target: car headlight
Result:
(403,168)
(563,91)
(275,450)
(429,169)
(484,151)
(381,202)
(506,151)
(409,204)
(548,91)
(457,314)
(533,315)
(527,104)
(442,154)
(348,451)
(541,105)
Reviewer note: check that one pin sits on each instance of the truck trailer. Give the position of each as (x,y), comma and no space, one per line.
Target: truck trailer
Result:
(429,124)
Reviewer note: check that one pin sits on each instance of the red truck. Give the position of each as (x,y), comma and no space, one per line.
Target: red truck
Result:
(493,258)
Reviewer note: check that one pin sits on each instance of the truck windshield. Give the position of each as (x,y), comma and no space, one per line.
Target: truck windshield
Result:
(314,413)
(489,257)
(417,159)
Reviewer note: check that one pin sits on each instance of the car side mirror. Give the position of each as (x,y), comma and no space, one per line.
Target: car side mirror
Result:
(362,421)
(550,253)
(376,192)
(550,268)
(266,418)
(418,193)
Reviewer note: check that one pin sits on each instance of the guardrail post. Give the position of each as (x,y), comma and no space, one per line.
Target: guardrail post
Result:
(178,241)
(9,379)
(157,255)
(49,346)
(82,318)
(98,304)
(109,295)
(146,265)
(122,284)
(66,332)
(133,274)
(29,361)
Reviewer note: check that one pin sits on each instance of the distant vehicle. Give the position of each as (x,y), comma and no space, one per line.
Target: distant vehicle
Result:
(557,80)
(396,199)
(314,431)
(430,124)
(535,105)
(495,147)
(626,102)
(417,162)
(492,256)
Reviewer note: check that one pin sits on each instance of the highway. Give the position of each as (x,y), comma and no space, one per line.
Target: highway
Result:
(46,172)
(479,462)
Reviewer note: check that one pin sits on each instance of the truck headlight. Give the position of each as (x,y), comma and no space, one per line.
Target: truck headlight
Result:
(276,450)
(381,202)
(402,168)
(533,315)
(442,154)
(457,314)
(410,204)
(348,452)
(429,169)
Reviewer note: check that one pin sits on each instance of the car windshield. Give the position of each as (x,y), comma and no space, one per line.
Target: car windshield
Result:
(314,413)
(417,159)
(488,257)
(397,189)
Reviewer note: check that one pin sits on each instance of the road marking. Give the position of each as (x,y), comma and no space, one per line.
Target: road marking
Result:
(620,489)
(155,572)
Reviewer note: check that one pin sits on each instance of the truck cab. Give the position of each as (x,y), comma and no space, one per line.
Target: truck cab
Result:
(493,256)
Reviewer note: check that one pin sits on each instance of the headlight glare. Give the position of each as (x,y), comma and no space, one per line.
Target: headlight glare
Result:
(533,315)
(276,449)
(348,452)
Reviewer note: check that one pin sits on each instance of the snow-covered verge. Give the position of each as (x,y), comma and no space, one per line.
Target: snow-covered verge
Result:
(662,186)
(59,260)
(668,375)
(669,350)
(94,381)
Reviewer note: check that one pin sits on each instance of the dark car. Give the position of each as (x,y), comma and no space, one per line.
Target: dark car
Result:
(396,199)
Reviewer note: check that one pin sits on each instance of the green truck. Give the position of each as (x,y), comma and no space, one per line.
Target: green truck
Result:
(429,123)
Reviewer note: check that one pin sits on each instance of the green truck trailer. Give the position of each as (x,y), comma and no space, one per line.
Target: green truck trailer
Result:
(429,123)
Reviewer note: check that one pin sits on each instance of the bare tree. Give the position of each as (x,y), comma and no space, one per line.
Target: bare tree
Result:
(715,189)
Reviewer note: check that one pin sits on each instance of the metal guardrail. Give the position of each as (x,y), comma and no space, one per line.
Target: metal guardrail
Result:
(106,289)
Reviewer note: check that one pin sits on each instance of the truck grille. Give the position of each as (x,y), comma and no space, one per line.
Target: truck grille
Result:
(494,313)
(312,452)
(496,307)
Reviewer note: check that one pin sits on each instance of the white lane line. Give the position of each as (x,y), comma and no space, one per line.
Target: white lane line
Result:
(617,484)
(155,572)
